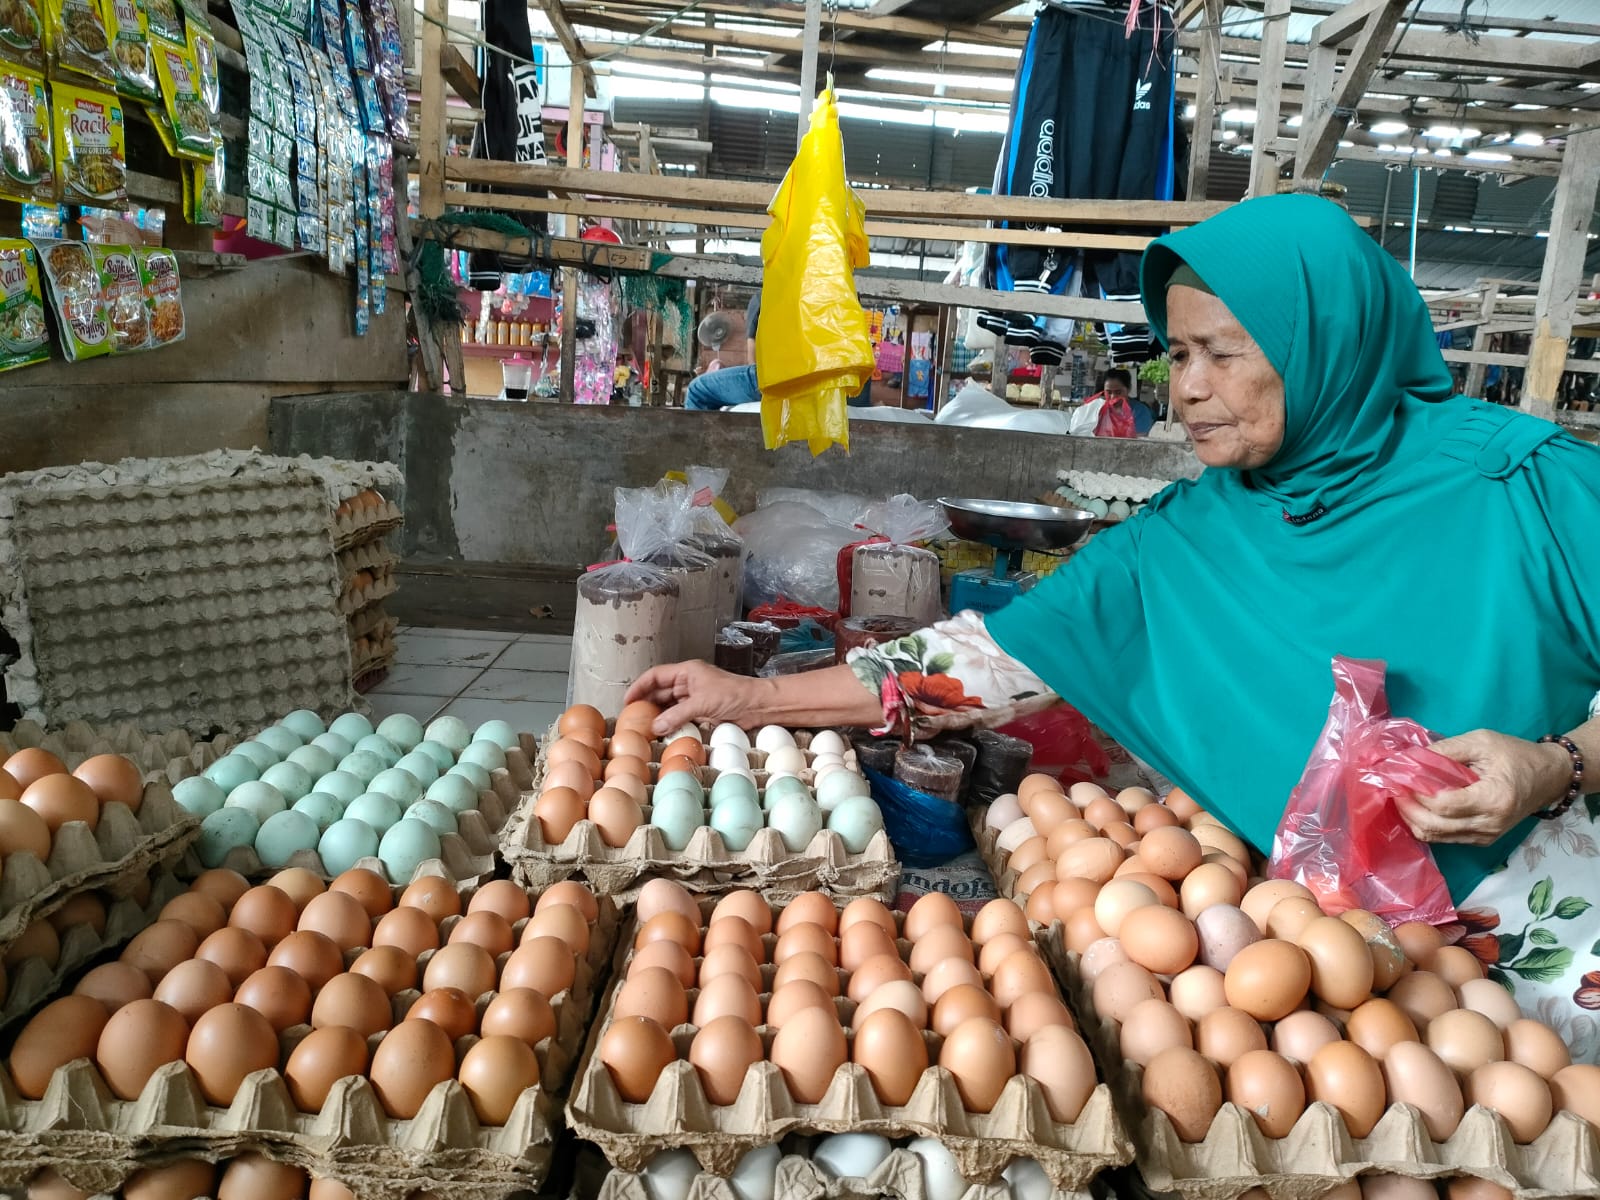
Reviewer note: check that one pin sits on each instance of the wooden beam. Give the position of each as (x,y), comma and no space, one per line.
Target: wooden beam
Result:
(1453,19)
(1581,366)
(569,276)
(1343,24)
(1327,109)
(1516,167)
(1564,253)
(811,39)
(1480,342)
(981,34)
(458,73)
(1269,99)
(1205,104)
(432,133)
(568,38)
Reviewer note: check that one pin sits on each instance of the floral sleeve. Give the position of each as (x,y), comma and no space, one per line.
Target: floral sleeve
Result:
(948,675)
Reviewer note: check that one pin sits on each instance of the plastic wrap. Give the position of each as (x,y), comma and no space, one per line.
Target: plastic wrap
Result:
(1002,763)
(791,553)
(672,510)
(887,574)
(841,508)
(925,830)
(716,537)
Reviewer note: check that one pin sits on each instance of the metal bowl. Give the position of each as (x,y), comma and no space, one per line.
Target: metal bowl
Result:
(1009,525)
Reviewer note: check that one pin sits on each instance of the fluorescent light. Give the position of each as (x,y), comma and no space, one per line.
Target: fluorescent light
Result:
(1244,116)
(1293,122)
(1529,139)
(1229,135)
(1188,112)
(1488,156)
(1388,128)
(1443,153)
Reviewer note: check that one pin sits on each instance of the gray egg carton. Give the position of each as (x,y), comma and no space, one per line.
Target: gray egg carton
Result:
(188,593)
(1099,485)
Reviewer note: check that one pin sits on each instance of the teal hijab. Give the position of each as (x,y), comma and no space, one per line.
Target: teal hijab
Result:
(1458,541)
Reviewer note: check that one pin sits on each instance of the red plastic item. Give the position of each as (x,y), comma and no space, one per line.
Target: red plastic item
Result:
(845,568)
(1116,419)
(786,614)
(1342,835)
(1062,737)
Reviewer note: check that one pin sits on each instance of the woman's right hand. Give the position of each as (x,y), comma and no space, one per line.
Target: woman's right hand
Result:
(695,691)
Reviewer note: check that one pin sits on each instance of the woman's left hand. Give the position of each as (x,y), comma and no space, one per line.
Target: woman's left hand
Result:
(1516,778)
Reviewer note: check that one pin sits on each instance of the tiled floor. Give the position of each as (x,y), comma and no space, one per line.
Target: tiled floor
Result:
(477,676)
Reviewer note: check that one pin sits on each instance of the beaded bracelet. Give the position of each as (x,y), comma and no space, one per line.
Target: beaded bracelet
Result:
(1575,790)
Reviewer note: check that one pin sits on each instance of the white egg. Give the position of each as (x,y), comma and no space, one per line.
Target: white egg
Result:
(830,769)
(730,758)
(941,1174)
(838,786)
(856,820)
(786,760)
(729,734)
(1028,1180)
(686,731)
(1003,811)
(828,742)
(670,1174)
(850,1155)
(797,819)
(756,1176)
(1014,834)
(818,761)
(771,737)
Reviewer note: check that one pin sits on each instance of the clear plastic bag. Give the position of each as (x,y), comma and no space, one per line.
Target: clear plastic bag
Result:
(668,508)
(716,537)
(1342,835)
(791,552)
(884,574)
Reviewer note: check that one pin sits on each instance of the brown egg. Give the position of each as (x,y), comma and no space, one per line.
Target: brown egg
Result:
(669,926)
(1057,1059)
(734,931)
(495,1073)
(160,948)
(574,750)
(115,984)
(1519,1095)
(634,1052)
(30,765)
(634,787)
(341,917)
(616,814)
(23,831)
(409,1062)
(938,944)
(1227,1034)
(503,898)
(1124,835)
(1185,1086)
(199,912)
(558,810)
(794,996)
(1040,907)
(1103,811)
(1422,996)
(952,972)
(1470,1187)
(310,955)
(368,888)
(410,928)
(1457,965)
(562,922)
(1049,811)
(38,940)
(961,1003)
(903,997)
(979,1054)
(999,948)
(1377,1025)
(1163,890)
(449,1009)
(580,716)
(390,967)
(889,1047)
(186,1179)
(874,973)
(469,968)
(237,951)
(721,1053)
(194,987)
(1268,1088)
(1035,1011)
(813,908)
(808,965)
(1197,991)
(673,957)
(1073,894)
(690,748)
(61,798)
(1208,884)
(626,765)
(1465,1040)
(1290,916)
(674,763)
(544,964)
(1420,941)
(1036,876)
(1341,963)
(355,1002)
(1153,816)
(252,1176)
(265,912)
(323,1057)
(1101,957)
(1536,1046)
(10,789)
(1576,1089)
(520,1013)
(808,1050)
(867,910)
(630,743)
(1067,833)
(226,1044)
(61,1032)
(1490,999)
(1122,986)
(1260,900)
(569,776)
(140,1036)
(1095,859)
(1268,979)
(282,996)
(724,960)
(299,884)
(489,930)
(863,941)
(222,885)
(1029,855)
(1160,939)
(664,895)
(1081,930)
(655,993)
(1388,959)
(933,909)
(727,996)
(113,779)
(569,893)
(1170,852)
(1348,1078)
(1150,1027)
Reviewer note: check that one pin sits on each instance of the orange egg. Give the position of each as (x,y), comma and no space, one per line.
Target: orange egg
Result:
(580,716)
(669,926)
(29,766)
(889,1047)
(159,948)
(60,799)
(319,1061)
(410,928)
(237,951)
(655,993)
(558,810)
(727,995)
(265,912)
(369,888)
(449,1009)
(199,912)
(687,747)
(724,960)
(634,1052)
(960,1003)
(571,775)
(313,956)
(595,739)
(389,966)
(22,830)
(874,973)
(630,743)
(299,884)
(675,763)
(222,885)
(633,768)
(640,715)
(808,965)
(572,750)
(562,922)
(793,997)
(193,987)
(1033,1011)
(569,893)
(411,1060)
(616,814)
(935,908)
(734,931)
(806,939)
(486,929)
(282,996)
(226,1044)
(341,917)
(755,912)
(544,964)
(463,966)
(520,1013)
(113,779)
(672,956)
(862,941)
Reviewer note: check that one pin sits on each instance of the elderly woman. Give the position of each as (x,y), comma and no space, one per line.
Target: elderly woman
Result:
(1351,506)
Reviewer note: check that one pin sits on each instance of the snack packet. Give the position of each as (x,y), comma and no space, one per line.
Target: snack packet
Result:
(26,169)
(122,293)
(182,94)
(90,146)
(75,299)
(203,47)
(75,32)
(202,189)
(22,33)
(163,294)
(24,335)
(163,20)
(130,47)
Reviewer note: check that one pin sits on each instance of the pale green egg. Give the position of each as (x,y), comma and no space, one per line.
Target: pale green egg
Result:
(498,732)
(321,808)
(316,760)
(352,727)
(260,800)
(344,843)
(487,755)
(420,765)
(402,729)
(259,753)
(362,765)
(381,748)
(281,740)
(291,779)
(377,809)
(341,785)
(223,831)
(406,846)
(198,795)
(434,815)
(285,834)
(450,732)
(455,792)
(304,724)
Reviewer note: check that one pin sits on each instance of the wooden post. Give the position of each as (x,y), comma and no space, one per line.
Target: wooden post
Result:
(569,275)
(1480,341)
(1331,97)
(808,67)
(432,134)
(1269,96)
(1564,253)
(1205,104)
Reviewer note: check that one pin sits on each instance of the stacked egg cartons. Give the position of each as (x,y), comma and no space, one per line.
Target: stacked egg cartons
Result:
(362,522)
(1253,1041)
(702,807)
(391,1043)
(397,799)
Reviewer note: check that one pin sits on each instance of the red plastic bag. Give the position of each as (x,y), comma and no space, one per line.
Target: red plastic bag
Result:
(1061,737)
(1116,419)
(1342,835)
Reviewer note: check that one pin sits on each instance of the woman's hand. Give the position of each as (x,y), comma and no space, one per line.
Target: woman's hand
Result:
(1516,779)
(695,691)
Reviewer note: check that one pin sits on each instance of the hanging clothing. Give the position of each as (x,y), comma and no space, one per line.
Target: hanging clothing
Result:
(512,129)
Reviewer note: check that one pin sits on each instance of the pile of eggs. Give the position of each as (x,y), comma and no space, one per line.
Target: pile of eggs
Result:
(829,987)
(38,796)
(320,982)
(348,792)
(613,781)
(249,1177)
(1228,988)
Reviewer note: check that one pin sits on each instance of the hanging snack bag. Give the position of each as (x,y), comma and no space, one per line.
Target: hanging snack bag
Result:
(163,20)
(75,299)
(163,294)
(26,170)
(75,31)
(130,47)
(122,293)
(203,47)
(90,146)
(183,94)
(202,189)
(24,335)
(22,32)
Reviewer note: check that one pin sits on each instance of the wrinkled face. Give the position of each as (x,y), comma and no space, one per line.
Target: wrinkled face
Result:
(1115,389)
(1223,388)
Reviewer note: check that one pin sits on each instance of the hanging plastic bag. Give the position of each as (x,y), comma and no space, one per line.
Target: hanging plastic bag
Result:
(1342,835)
(812,348)
(791,553)
(885,574)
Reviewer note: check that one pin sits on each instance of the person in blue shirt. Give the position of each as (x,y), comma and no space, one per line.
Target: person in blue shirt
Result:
(729,387)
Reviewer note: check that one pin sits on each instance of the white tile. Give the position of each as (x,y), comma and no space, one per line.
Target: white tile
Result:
(536,656)
(415,679)
(564,638)
(423,708)
(538,687)
(485,635)
(520,715)
(452,651)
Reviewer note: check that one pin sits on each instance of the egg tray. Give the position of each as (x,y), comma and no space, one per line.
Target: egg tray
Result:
(353,600)
(173,755)
(368,556)
(443,1148)
(1319,1154)
(798,1178)
(119,851)
(373,622)
(378,656)
(366,526)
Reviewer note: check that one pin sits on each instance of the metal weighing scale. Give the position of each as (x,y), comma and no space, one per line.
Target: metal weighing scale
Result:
(1012,529)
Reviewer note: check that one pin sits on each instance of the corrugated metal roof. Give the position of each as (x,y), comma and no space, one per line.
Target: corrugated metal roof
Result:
(1479,15)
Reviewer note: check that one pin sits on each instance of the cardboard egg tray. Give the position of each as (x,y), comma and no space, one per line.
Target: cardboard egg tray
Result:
(705,864)
(368,556)
(443,1148)
(170,756)
(367,525)
(353,599)
(679,1115)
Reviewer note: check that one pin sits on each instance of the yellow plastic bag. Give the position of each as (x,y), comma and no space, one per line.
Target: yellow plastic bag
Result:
(812,348)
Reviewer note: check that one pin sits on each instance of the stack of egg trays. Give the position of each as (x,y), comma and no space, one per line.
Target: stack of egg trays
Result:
(443,1149)
(679,1115)
(705,864)
(466,857)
